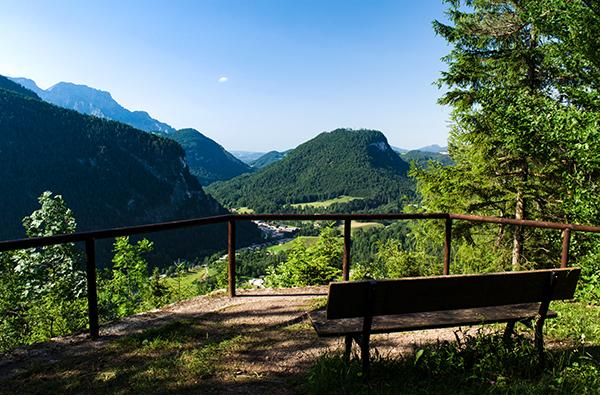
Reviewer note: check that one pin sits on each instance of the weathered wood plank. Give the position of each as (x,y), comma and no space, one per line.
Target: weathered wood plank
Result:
(423,294)
(428,320)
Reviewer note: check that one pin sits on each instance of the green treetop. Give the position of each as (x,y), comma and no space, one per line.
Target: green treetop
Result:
(523,109)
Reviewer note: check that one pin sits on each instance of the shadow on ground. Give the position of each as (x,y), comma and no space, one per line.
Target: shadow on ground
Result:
(252,344)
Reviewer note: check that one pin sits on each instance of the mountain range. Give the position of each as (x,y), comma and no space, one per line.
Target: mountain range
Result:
(109,173)
(356,163)
(206,158)
(98,103)
(433,148)
(258,160)
(247,156)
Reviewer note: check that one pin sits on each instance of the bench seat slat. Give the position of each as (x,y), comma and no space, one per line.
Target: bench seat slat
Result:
(421,294)
(428,320)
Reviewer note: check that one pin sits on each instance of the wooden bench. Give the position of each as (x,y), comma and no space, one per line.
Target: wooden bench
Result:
(357,309)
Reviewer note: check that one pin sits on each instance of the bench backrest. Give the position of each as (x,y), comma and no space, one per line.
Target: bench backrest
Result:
(350,299)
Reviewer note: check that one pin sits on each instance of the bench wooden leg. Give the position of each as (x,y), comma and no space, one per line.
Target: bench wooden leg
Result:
(364,355)
(508,332)
(539,339)
(348,348)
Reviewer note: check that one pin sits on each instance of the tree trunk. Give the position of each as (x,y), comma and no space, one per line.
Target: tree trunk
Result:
(517,250)
(518,238)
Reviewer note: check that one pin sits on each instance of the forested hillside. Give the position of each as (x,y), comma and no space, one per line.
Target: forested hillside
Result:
(357,163)
(109,174)
(208,160)
(7,84)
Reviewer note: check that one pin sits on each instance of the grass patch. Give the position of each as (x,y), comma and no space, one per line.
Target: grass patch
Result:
(326,203)
(356,225)
(185,285)
(317,303)
(480,363)
(244,210)
(179,355)
(577,323)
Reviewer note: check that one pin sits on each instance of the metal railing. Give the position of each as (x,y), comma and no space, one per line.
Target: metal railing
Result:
(89,238)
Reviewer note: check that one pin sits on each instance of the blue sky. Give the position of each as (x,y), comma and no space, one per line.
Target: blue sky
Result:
(253,75)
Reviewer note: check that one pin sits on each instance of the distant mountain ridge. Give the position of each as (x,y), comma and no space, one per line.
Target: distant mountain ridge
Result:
(207,159)
(247,156)
(268,158)
(357,163)
(91,101)
(110,174)
(434,148)
(423,158)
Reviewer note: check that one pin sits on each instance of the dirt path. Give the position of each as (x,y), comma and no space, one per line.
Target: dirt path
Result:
(276,344)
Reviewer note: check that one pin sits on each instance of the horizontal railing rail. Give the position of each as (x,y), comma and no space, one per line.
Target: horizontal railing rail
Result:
(109,233)
(525,222)
(90,237)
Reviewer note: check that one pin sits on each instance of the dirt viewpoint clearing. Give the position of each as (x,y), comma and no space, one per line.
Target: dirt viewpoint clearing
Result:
(260,341)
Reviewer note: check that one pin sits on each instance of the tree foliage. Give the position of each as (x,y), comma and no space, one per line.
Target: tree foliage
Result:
(127,285)
(42,291)
(313,265)
(522,81)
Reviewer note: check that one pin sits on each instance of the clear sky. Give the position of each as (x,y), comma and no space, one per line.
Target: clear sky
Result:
(251,74)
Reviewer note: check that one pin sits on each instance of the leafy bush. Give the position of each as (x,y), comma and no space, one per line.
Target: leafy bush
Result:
(158,292)
(588,289)
(393,261)
(314,265)
(125,289)
(42,290)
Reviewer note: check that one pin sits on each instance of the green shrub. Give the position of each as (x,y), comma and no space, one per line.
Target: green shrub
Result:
(42,290)
(125,288)
(313,265)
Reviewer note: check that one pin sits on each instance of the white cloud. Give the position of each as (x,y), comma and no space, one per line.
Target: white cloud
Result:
(223,79)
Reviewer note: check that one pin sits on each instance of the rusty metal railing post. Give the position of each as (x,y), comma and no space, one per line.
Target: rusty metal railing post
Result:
(92,293)
(447,245)
(566,241)
(347,247)
(231,256)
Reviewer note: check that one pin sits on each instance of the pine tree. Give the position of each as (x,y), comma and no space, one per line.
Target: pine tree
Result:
(523,104)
